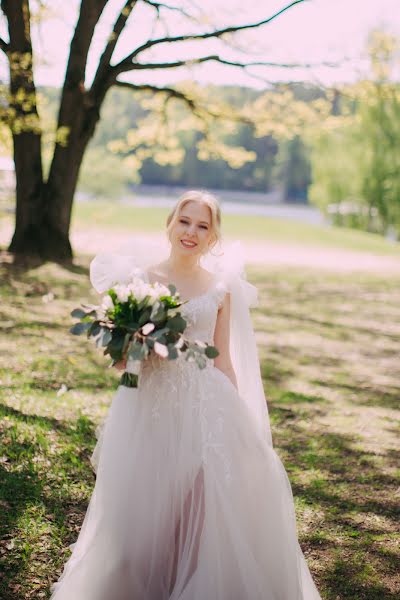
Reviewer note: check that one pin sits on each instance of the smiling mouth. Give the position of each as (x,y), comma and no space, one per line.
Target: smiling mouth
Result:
(188,244)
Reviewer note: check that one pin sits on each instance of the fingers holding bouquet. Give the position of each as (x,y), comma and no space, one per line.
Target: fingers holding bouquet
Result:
(136,320)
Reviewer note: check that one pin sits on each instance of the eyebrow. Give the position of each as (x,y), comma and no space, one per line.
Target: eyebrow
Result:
(185,217)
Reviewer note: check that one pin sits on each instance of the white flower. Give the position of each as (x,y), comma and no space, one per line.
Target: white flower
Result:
(179,343)
(101,314)
(173,311)
(107,303)
(138,289)
(160,289)
(161,349)
(148,328)
(122,292)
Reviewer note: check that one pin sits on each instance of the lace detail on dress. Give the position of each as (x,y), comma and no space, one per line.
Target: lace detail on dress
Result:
(212,435)
(173,385)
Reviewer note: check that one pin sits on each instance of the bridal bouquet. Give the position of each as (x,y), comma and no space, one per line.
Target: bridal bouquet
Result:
(136,319)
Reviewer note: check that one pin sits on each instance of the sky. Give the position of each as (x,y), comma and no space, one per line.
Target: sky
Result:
(316,31)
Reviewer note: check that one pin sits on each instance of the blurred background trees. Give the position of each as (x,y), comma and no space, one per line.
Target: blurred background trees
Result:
(355,157)
(44,201)
(336,148)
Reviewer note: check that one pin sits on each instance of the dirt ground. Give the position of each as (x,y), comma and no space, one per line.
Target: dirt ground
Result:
(257,252)
(154,246)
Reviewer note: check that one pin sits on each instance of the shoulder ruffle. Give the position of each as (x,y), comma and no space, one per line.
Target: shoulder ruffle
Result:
(107,269)
(229,269)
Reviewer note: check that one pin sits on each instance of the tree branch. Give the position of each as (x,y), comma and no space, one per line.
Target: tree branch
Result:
(160,5)
(4,46)
(195,107)
(104,63)
(201,36)
(89,15)
(170,92)
(214,57)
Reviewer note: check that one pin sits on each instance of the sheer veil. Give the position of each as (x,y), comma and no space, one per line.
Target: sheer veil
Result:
(106,269)
(229,268)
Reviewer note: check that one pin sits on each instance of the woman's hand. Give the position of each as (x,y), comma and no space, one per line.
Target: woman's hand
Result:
(121,365)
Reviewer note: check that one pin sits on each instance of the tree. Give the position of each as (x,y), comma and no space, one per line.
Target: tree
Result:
(355,158)
(43,209)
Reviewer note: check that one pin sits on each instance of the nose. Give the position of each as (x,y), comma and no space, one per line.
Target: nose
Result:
(191,229)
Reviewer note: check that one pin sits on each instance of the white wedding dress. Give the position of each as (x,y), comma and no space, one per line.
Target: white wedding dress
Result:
(191,501)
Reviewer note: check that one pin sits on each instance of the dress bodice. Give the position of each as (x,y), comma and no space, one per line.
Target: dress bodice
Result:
(200,314)
(201,311)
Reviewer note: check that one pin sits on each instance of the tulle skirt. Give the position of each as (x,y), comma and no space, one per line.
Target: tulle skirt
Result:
(189,502)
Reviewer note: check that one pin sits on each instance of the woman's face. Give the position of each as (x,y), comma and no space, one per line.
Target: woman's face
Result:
(191,234)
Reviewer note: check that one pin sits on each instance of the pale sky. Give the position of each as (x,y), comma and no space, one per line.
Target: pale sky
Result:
(316,31)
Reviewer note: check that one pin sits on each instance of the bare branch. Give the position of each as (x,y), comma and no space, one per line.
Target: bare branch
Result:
(4,46)
(170,92)
(119,25)
(214,57)
(161,5)
(218,33)
(200,111)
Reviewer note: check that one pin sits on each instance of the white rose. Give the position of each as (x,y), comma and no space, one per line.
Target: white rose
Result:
(158,290)
(107,303)
(122,292)
(138,289)
(161,349)
(148,328)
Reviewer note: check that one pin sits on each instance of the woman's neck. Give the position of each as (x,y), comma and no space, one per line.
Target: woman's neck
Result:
(184,265)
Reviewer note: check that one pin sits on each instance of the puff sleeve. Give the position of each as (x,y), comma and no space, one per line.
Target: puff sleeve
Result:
(107,269)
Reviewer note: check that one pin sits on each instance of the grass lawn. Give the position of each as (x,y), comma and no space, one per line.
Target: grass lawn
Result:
(329,347)
(121,216)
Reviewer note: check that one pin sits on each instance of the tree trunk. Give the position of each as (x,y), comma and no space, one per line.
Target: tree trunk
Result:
(25,126)
(43,214)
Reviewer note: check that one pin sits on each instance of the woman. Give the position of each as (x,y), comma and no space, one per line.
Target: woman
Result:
(191,501)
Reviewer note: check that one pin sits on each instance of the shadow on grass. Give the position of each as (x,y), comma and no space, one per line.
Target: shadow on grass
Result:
(340,330)
(348,486)
(366,395)
(26,484)
(18,265)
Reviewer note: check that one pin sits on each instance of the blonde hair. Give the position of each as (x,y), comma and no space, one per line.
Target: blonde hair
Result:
(205,198)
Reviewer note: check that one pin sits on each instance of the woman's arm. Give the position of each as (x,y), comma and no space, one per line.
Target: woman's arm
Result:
(223,361)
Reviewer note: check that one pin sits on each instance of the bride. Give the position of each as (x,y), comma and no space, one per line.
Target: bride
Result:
(191,501)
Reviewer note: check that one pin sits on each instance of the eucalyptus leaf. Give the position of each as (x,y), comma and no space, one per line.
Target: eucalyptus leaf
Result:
(201,361)
(135,351)
(177,323)
(143,303)
(172,352)
(78,313)
(172,289)
(144,317)
(80,328)
(211,352)
(159,316)
(105,337)
(95,329)
(154,310)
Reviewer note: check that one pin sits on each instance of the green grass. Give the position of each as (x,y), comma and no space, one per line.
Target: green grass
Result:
(127,217)
(329,347)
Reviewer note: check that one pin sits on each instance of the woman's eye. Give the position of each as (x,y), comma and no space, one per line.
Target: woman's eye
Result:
(183,221)
(203,227)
